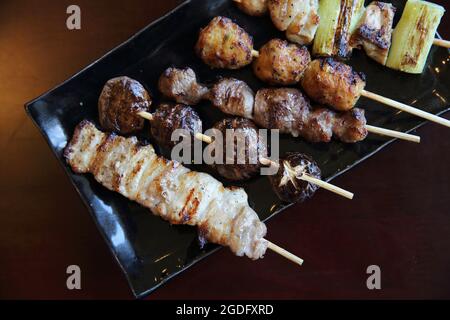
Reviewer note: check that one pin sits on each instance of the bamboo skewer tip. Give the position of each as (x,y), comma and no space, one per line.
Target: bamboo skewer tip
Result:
(286,254)
(406,108)
(393,134)
(438,42)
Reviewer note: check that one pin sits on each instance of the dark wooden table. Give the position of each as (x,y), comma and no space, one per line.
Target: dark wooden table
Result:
(399,220)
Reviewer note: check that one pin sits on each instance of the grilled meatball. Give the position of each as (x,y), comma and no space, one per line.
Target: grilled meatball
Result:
(181,86)
(286,183)
(285,109)
(281,63)
(350,126)
(167,118)
(247,148)
(253,7)
(233,97)
(333,83)
(120,100)
(223,44)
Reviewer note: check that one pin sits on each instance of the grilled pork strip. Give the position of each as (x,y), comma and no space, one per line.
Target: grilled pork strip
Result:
(168,189)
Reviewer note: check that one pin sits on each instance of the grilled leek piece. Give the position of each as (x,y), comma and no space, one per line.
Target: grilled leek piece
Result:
(413,37)
(337,19)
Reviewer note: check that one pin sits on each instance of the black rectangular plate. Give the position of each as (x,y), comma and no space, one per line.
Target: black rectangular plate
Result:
(149,250)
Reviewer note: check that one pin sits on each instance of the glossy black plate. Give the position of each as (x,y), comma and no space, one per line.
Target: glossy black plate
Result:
(149,250)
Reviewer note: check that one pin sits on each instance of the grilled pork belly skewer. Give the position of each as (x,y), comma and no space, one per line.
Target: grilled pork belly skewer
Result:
(290,111)
(336,84)
(171,191)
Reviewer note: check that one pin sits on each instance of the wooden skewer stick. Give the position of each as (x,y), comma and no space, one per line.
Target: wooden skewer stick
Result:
(393,133)
(284,253)
(404,107)
(328,186)
(441,43)
(377,130)
(268,162)
(271,245)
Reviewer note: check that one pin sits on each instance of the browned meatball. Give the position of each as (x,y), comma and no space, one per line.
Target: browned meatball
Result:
(167,118)
(281,62)
(181,86)
(247,148)
(286,183)
(223,44)
(333,83)
(253,7)
(120,101)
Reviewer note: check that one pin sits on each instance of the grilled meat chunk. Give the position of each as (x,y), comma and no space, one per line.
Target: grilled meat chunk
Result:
(304,26)
(168,118)
(282,108)
(299,18)
(350,126)
(333,83)
(168,189)
(374,31)
(233,97)
(240,159)
(181,86)
(287,183)
(120,101)
(281,62)
(223,44)
(253,7)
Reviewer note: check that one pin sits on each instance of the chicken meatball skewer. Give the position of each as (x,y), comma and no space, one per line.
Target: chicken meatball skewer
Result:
(286,109)
(223,44)
(336,84)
